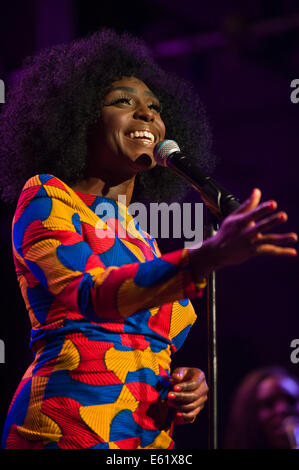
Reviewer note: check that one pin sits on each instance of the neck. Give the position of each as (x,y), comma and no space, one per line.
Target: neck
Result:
(99,187)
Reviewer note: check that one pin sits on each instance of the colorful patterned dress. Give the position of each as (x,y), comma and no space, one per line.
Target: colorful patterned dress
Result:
(107,311)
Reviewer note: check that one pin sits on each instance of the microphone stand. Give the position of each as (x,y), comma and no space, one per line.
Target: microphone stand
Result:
(211,228)
(219,204)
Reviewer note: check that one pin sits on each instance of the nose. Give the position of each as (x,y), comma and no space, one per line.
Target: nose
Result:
(144,113)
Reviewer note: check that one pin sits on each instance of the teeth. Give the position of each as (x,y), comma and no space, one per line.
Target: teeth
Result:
(142,134)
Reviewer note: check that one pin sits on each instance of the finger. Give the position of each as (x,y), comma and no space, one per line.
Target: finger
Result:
(277,238)
(268,223)
(186,407)
(190,417)
(191,385)
(258,212)
(178,374)
(250,203)
(187,397)
(177,399)
(273,250)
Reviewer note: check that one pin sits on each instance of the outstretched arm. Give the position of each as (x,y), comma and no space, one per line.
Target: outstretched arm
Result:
(243,235)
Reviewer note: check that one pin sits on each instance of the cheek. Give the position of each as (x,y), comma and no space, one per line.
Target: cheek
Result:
(162,130)
(109,133)
(109,126)
(112,122)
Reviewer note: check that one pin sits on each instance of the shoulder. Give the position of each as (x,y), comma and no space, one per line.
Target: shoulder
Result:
(45,204)
(44,189)
(47,186)
(46,182)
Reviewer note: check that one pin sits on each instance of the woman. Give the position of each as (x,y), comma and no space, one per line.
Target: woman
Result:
(263,402)
(107,310)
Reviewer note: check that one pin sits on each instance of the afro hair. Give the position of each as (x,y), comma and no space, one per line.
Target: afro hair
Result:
(57,97)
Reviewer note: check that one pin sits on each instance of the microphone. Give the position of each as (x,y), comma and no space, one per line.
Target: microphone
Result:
(220,202)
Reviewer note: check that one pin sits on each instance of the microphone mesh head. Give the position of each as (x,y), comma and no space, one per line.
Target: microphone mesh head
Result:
(163,149)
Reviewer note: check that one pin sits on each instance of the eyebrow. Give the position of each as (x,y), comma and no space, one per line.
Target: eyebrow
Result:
(133,90)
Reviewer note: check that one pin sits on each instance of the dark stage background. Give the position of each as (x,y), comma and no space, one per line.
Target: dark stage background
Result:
(241,57)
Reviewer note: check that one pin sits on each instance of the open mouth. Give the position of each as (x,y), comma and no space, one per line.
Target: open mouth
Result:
(142,137)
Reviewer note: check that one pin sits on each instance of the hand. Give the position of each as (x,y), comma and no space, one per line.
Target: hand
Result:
(189,392)
(241,236)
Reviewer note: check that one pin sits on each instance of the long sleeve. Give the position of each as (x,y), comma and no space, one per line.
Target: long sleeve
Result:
(48,242)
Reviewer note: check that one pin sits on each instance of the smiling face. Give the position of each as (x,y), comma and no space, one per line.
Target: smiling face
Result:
(277,398)
(123,141)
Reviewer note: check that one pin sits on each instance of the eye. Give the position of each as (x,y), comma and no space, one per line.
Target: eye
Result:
(157,107)
(120,99)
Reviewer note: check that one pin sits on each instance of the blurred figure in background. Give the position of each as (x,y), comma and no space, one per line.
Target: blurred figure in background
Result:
(265,411)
